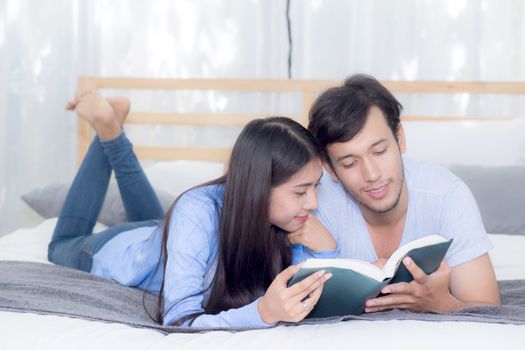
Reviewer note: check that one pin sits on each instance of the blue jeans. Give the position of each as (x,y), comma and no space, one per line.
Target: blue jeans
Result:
(73,243)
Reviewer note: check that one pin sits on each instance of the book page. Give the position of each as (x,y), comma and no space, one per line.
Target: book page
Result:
(392,263)
(363,267)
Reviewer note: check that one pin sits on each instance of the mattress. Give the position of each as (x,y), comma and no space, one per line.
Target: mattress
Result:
(34,331)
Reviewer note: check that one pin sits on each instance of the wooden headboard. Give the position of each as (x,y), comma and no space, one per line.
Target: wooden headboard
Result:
(307,90)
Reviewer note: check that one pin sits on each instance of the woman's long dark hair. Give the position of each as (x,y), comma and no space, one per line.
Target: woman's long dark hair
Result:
(251,251)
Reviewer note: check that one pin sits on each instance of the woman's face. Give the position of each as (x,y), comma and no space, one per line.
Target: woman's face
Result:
(292,201)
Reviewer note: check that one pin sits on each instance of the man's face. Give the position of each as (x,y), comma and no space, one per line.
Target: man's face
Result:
(370,166)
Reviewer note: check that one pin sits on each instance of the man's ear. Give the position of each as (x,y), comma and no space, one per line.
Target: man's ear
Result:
(401,141)
(328,166)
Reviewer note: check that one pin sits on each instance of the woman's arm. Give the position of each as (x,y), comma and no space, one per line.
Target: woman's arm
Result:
(192,249)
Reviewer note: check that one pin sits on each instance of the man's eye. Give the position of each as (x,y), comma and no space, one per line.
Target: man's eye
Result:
(348,166)
(380,152)
(300,194)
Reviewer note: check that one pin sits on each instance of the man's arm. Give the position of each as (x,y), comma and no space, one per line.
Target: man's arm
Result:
(470,280)
(447,289)
(474,282)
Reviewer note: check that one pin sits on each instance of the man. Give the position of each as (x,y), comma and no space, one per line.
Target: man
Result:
(374,201)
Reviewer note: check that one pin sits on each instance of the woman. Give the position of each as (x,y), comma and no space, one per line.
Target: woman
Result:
(217,257)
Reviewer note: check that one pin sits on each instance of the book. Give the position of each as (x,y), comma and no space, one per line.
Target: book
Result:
(354,281)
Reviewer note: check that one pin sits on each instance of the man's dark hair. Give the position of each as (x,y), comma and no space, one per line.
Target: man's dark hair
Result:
(340,113)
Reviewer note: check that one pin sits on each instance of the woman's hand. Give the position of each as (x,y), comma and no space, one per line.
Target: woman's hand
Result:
(282,303)
(313,235)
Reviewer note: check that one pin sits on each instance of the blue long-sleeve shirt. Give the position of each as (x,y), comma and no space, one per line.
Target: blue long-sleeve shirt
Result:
(131,258)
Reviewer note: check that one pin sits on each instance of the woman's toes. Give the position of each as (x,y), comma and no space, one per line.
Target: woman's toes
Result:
(73,103)
(70,106)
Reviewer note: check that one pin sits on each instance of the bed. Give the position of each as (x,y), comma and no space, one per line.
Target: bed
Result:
(173,168)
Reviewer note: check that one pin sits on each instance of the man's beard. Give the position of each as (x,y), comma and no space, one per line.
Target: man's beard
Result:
(396,201)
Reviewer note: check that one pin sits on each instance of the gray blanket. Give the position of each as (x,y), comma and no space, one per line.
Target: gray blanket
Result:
(49,289)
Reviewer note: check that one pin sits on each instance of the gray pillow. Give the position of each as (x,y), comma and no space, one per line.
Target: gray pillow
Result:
(500,194)
(48,200)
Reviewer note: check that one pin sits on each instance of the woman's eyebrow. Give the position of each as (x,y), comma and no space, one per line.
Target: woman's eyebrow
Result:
(308,183)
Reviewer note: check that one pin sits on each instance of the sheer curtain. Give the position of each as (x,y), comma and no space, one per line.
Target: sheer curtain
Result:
(411,39)
(37,68)
(467,40)
(45,45)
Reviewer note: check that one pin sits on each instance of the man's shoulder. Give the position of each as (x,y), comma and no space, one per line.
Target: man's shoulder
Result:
(428,177)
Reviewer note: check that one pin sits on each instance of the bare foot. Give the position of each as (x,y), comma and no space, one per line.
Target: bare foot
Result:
(121,106)
(92,107)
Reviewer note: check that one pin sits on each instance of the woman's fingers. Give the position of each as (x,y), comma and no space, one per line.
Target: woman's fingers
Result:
(283,303)
(301,289)
(314,286)
(283,277)
(305,306)
(314,298)
(295,237)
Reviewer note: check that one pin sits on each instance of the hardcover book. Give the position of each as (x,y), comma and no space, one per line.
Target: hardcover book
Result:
(355,281)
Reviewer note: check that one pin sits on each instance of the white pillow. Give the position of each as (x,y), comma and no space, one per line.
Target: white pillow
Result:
(507,256)
(484,143)
(178,176)
(30,244)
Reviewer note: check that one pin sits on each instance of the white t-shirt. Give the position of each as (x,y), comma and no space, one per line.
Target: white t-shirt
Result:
(438,203)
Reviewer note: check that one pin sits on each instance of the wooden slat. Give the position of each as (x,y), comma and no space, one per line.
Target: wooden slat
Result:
(249,85)
(214,119)
(171,153)
(474,87)
(306,89)
(282,85)
(451,118)
(308,101)
(241,119)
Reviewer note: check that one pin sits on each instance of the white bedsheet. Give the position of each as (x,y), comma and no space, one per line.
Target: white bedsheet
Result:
(31,331)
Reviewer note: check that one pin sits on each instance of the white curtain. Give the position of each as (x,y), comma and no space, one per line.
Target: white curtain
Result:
(411,39)
(45,45)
